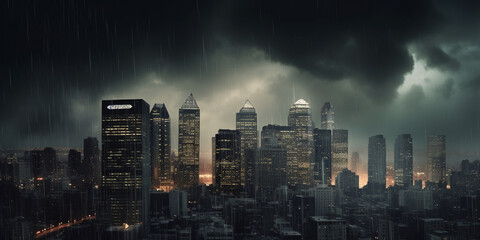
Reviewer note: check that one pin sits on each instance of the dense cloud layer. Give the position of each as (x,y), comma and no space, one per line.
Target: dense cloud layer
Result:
(388,66)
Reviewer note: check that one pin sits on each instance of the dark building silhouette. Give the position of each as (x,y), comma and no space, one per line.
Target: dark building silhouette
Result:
(74,163)
(228,165)
(125,164)
(328,116)
(271,165)
(403,160)
(322,168)
(377,163)
(91,161)
(162,177)
(188,144)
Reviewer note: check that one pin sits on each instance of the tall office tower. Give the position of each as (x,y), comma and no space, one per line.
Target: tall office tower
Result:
(354,162)
(188,144)
(403,160)
(91,161)
(436,158)
(299,172)
(328,116)
(339,151)
(322,169)
(272,165)
(228,165)
(160,148)
(125,163)
(247,126)
(377,162)
(284,136)
(74,163)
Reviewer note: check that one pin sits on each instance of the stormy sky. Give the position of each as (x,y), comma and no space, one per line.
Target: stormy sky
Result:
(388,67)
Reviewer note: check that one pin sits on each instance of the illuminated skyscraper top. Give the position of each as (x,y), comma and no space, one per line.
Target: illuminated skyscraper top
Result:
(190,103)
(328,116)
(300,120)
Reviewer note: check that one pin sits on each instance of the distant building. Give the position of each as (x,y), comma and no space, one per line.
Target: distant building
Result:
(347,181)
(321,228)
(322,165)
(228,165)
(403,160)
(324,199)
(328,116)
(339,151)
(355,164)
(91,161)
(177,203)
(74,163)
(160,151)
(125,163)
(416,199)
(299,172)
(188,144)
(272,165)
(436,158)
(246,124)
(377,163)
(285,137)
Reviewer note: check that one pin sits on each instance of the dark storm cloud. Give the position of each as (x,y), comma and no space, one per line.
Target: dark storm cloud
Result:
(60,57)
(437,58)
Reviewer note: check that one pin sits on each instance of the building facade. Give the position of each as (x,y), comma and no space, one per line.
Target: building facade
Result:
(188,144)
(403,160)
(125,163)
(228,165)
(436,158)
(339,151)
(322,168)
(328,116)
(162,177)
(246,124)
(377,162)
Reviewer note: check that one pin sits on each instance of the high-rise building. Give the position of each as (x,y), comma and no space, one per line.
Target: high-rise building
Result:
(271,166)
(213,160)
(321,228)
(74,163)
(299,172)
(228,165)
(91,161)
(403,160)
(284,136)
(322,168)
(355,163)
(347,181)
(377,162)
(328,116)
(436,158)
(188,144)
(247,126)
(162,177)
(125,163)
(339,151)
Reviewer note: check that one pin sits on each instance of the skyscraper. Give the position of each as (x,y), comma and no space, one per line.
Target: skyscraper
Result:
(125,162)
(162,177)
(247,126)
(328,118)
(271,165)
(91,161)
(436,158)
(339,151)
(228,165)
(299,171)
(74,163)
(322,169)
(188,144)
(403,160)
(377,162)
(284,136)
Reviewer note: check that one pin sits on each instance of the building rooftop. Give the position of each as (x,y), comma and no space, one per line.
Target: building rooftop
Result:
(190,103)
